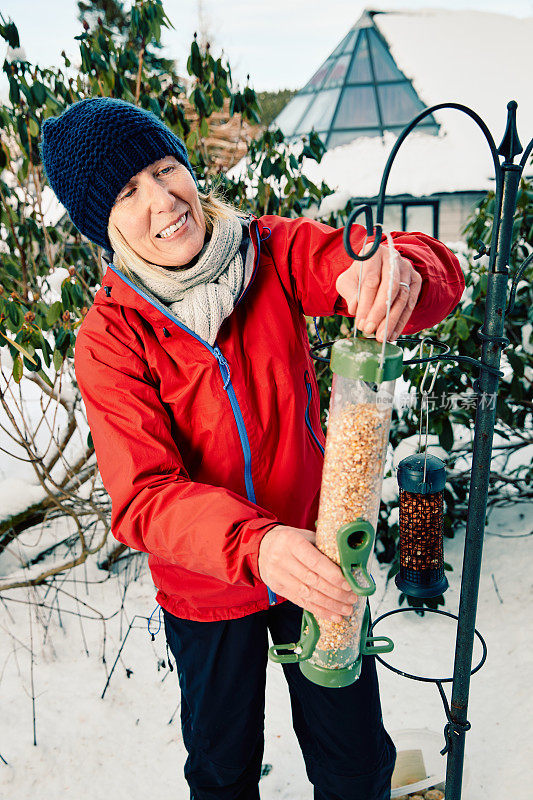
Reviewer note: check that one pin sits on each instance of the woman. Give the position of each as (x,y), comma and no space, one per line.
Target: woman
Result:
(194,366)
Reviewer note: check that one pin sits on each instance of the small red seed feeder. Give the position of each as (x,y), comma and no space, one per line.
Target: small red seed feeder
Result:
(421,479)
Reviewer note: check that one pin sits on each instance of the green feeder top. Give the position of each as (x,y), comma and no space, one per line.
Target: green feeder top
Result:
(360,358)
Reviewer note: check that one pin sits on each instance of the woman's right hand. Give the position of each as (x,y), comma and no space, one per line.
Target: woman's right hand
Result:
(291,565)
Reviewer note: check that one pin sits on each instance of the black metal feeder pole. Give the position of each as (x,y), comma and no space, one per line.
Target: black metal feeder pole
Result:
(507,176)
(493,341)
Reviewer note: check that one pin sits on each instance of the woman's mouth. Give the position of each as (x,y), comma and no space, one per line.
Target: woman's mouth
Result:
(172,230)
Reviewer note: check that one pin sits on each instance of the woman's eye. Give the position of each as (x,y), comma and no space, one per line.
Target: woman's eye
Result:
(128,193)
(165,170)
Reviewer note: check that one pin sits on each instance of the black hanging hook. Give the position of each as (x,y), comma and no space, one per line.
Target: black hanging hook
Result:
(369,224)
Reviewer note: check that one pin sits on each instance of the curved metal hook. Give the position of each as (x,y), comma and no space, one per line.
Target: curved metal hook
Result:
(367,209)
(407,130)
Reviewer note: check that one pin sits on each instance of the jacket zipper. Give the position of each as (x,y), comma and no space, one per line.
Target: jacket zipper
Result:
(228,387)
(307,408)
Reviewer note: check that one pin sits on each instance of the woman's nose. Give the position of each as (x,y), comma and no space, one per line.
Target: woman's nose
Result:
(159,197)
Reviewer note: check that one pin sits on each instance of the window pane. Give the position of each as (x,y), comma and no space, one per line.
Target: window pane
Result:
(420,219)
(338,138)
(318,78)
(399,103)
(290,116)
(360,71)
(321,112)
(346,44)
(392,218)
(350,39)
(336,76)
(357,108)
(384,65)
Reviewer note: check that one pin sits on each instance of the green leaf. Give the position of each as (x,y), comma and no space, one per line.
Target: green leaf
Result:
(446,435)
(192,140)
(45,349)
(53,313)
(20,348)
(57,360)
(90,442)
(204,128)
(14,92)
(66,296)
(60,338)
(33,363)
(34,128)
(77,294)
(200,101)
(11,34)
(39,93)
(266,168)
(462,329)
(18,369)
(42,374)
(15,314)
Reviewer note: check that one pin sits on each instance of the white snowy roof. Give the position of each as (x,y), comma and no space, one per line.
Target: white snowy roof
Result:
(475,58)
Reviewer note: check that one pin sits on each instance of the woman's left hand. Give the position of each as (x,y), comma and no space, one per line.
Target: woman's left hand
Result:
(371,311)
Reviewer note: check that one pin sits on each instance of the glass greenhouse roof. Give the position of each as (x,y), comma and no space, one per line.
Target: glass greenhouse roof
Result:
(357,91)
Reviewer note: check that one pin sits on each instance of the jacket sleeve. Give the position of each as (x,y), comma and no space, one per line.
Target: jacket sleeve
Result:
(156,508)
(309,256)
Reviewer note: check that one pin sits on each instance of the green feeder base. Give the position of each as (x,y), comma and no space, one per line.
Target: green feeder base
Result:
(331,678)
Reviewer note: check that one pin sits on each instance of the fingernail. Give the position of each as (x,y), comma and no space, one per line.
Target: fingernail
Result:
(336,618)
(361,324)
(347,610)
(368,327)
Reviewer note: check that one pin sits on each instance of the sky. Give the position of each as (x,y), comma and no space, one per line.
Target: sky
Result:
(280,43)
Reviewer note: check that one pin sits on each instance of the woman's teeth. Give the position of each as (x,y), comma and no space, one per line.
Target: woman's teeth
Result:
(173,228)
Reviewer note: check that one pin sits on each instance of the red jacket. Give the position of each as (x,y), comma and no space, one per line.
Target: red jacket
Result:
(203,449)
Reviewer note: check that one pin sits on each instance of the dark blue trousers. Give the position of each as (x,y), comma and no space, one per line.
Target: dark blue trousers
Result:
(222,670)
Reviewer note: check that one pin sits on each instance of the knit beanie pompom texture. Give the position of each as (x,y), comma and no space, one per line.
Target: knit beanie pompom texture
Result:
(92,150)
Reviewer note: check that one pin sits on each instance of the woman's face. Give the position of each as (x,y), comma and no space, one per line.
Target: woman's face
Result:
(159,214)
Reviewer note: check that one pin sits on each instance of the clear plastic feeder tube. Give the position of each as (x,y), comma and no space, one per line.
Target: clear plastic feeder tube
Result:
(360,412)
(356,445)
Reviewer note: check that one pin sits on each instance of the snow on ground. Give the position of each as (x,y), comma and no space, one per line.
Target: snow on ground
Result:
(129,745)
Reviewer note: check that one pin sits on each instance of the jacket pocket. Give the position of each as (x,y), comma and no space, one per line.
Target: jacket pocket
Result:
(309,390)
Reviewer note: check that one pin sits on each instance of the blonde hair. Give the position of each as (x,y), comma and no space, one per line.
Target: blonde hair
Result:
(129,261)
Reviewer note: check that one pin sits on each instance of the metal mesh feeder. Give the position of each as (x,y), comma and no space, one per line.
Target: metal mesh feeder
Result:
(421,479)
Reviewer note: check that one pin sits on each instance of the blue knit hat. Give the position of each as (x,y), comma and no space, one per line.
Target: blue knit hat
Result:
(92,150)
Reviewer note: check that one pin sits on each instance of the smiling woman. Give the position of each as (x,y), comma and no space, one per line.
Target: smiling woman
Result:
(158,213)
(194,366)
(161,218)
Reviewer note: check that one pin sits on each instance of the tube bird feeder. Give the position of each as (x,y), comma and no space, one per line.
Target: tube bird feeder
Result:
(421,479)
(364,374)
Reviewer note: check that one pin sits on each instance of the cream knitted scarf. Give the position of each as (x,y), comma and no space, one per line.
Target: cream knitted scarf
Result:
(202,296)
